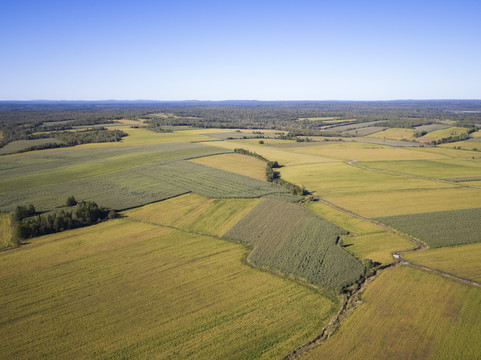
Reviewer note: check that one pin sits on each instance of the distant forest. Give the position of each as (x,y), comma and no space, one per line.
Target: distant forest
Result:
(23,120)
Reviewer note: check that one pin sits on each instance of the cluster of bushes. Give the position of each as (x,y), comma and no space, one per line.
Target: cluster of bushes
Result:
(29,224)
(272,175)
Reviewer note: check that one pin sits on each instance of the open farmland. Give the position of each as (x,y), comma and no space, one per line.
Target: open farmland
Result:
(444,133)
(409,314)
(130,290)
(462,261)
(377,247)
(195,213)
(237,163)
(119,179)
(291,239)
(431,168)
(395,134)
(22,145)
(438,229)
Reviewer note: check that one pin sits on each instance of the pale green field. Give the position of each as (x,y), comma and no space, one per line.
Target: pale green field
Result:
(125,289)
(409,314)
(5,230)
(462,261)
(450,152)
(237,163)
(195,213)
(395,134)
(378,247)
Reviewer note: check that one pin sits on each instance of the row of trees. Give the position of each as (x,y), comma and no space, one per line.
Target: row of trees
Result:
(29,224)
(273,175)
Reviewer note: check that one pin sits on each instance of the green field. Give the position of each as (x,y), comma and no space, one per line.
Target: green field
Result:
(462,261)
(5,231)
(438,229)
(22,145)
(409,314)
(125,289)
(119,179)
(291,239)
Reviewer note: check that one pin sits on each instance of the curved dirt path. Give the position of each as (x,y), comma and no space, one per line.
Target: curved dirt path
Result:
(352,300)
(397,254)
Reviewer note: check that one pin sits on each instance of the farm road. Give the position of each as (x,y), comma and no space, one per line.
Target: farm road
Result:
(353,163)
(397,254)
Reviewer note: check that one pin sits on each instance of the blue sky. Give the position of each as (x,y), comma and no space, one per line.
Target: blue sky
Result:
(216,50)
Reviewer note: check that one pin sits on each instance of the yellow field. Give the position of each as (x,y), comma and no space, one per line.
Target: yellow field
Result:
(284,157)
(195,213)
(476,134)
(464,145)
(339,179)
(5,231)
(438,169)
(410,202)
(237,163)
(318,118)
(126,289)
(395,134)
(409,314)
(462,261)
(341,219)
(363,154)
(443,133)
(449,152)
(378,247)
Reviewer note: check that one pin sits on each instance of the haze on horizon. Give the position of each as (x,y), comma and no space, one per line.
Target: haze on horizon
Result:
(263,50)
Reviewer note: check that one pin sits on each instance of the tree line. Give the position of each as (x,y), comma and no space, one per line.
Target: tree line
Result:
(28,223)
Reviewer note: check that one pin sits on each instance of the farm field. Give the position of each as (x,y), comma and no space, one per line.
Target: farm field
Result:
(462,261)
(291,239)
(443,133)
(353,152)
(283,156)
(136,176)
(195,213)
(377,247)
(395,134)
(435,168)
(208,260)
(409,314)
(5,230)
(438,229)
(116,290)
(19,145)
(410,202)
(237,163)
